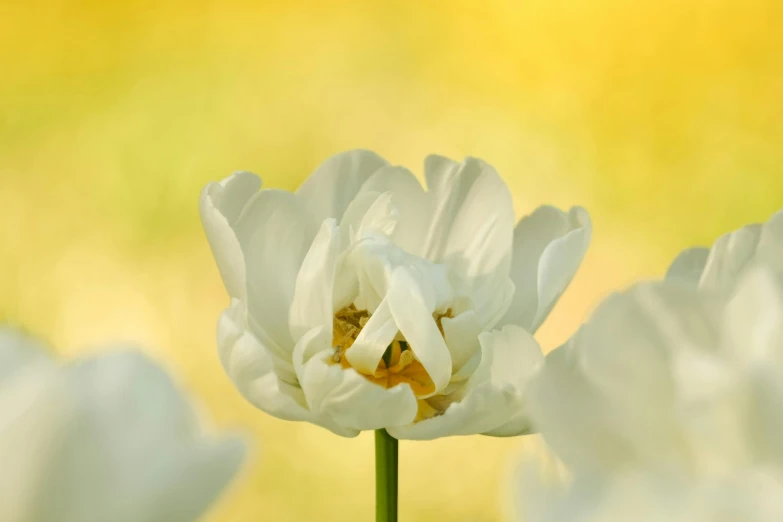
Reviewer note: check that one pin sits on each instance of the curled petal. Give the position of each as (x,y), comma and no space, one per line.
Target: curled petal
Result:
(494,394)
(348,401)
(415,322)
(251,368)
(549,246)
(220,206)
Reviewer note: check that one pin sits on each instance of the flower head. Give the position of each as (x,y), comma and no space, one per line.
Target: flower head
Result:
(363,301)
(666,405)
(104,438)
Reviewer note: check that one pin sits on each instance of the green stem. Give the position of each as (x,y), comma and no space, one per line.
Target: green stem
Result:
(385,477)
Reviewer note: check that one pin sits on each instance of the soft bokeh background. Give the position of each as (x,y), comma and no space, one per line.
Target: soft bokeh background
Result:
(664,118)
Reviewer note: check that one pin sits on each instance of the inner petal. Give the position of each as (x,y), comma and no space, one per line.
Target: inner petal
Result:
(399,363)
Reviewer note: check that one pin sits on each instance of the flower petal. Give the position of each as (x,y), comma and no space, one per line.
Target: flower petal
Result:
(220,206)
(414,320)
(549,246)
(334,184)
(462,337)
(313,294)
(729,257)
(253,371)
(371,343)
(19,352)
(131,445)
(495,392)
(472,219)
(368,212)
(350,401)
(409,198)
(689,265)
(275,234)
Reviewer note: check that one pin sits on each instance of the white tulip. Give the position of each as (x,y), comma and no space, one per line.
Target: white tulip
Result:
(668,405)
(363,301)
(108,438)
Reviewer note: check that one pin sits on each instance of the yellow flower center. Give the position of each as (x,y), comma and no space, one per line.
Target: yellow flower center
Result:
(398,365)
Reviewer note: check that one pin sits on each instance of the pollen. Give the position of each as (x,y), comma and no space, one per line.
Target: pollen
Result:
(398,365)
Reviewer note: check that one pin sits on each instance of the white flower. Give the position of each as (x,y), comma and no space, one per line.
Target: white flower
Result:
(668,405)
(363,301)
(108,438)
(721,266)
(753,495)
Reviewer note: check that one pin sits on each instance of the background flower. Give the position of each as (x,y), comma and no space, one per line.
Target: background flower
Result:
(667,405)
(104,438)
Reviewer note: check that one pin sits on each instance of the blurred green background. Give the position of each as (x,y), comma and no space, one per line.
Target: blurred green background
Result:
(664,118)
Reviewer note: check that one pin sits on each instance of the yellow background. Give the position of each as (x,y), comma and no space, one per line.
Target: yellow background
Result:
(664,118)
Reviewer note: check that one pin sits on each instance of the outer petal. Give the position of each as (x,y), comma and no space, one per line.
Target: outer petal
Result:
(249,365)
(349,401)
(334,184)
(549,246)
(220,206)
(689,265)
(133,452)
(275,234)
(408,196)
(493,394)
(564,403)
(472,223)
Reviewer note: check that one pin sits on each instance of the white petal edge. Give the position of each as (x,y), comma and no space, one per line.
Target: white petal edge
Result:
(220,206)
(327,192)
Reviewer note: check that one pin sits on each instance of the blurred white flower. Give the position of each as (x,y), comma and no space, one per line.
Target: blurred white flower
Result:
(752,495)
(668,405)
(109,438)
(721,266)
(363,301)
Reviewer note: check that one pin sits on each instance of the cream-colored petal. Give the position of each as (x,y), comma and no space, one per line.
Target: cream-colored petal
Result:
(415,322)
(369,212)
(275,234)
(729,257)
(220,206)
(252,370)
(462,337)
(563,403)
(335,183)
(20,352)
(689,265)
(371,343)
(312,302)
(409,198)
(549,246)
(494,394)
(472,221)
(133,450)
(753,320)
(347,399)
